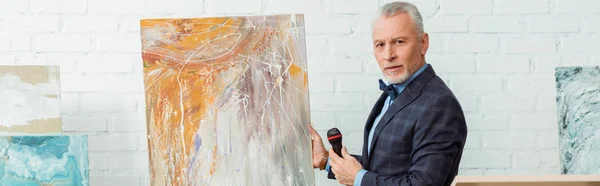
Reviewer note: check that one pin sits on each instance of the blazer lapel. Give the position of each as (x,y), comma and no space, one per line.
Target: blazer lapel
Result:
(411,92)
(374,112)
(399,103)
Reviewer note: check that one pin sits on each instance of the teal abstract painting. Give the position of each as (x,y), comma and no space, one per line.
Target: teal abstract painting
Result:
(578,103)
(44,161)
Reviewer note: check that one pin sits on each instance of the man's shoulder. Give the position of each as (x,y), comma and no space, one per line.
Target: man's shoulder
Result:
(436,90)
(437,86)
(437,99)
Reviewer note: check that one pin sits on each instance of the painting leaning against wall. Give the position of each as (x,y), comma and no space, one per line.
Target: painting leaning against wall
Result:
(227,100)
(578,106)
(44,160)
(30,100)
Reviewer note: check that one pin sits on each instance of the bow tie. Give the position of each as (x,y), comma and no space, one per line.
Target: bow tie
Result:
(389,89)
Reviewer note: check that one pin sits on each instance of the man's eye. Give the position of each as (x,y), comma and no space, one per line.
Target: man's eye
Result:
(400,41)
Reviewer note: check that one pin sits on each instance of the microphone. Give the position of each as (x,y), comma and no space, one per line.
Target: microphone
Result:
(335,139)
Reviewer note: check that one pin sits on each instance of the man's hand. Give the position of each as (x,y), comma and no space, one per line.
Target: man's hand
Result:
(318,149)
(345,169)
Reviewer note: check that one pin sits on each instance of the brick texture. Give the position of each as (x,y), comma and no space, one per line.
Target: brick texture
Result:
(498,56)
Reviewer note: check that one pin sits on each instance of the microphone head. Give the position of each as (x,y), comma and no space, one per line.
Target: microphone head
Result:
(333,132)
(334,135)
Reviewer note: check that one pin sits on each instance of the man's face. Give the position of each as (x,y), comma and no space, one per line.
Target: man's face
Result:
(398,49)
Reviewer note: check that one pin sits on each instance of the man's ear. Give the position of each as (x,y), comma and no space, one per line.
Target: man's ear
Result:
(424,43)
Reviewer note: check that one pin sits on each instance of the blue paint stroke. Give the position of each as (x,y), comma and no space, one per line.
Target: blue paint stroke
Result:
(197,145)
(197,142)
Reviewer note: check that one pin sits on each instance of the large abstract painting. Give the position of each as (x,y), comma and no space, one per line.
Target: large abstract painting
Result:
(44,160)
(578,99)
(227,101)
(29,99)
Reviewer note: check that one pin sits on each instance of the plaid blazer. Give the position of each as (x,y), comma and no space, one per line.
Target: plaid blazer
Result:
(419,140)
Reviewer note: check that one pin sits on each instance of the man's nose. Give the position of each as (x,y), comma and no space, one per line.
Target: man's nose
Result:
(389,54)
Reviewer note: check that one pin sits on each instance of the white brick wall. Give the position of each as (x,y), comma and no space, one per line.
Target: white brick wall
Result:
(497,55)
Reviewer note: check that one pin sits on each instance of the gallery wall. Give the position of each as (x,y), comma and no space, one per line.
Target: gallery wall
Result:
(498,56)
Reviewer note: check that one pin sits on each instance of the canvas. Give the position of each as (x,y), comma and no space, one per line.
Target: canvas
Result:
(227,100)
(30,99)
(44,160)
(578,99)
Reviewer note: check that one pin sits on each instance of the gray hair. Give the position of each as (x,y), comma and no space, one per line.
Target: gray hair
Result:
(393,8)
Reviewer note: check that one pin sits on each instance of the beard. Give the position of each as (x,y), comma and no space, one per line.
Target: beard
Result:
(398,80)
(409,71)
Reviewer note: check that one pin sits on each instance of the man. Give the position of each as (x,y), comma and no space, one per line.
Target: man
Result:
(415,133)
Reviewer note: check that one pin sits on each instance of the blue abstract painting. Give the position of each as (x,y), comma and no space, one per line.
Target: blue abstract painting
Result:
(43,160)
(578,103)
